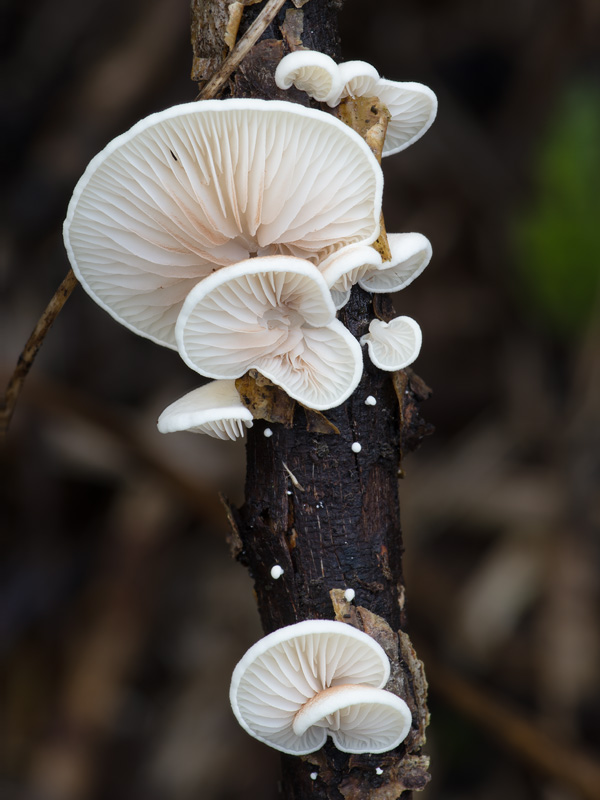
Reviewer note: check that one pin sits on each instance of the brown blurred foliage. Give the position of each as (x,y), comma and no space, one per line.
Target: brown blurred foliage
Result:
(121,613)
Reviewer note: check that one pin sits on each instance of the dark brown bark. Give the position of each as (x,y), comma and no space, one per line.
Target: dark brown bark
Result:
(327,515)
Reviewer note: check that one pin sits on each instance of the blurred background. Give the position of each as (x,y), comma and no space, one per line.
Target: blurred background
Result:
(121,611)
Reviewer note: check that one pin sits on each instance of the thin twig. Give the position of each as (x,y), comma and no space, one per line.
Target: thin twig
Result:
(523,738)
(248,40)
(27,357)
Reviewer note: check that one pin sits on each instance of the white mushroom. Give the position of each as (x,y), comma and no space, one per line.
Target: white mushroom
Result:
(393,345)
(342,270)
(274,314)
(359,719)
(204,185)
(215,409)
(300,683)
(358,79)
(412,106)
(310,71)
(411,253)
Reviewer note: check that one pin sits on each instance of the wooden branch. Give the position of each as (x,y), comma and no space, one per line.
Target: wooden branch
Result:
(525,740)
(27,357)
(327,515)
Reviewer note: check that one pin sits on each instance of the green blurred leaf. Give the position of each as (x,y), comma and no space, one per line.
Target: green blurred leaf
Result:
(558,238)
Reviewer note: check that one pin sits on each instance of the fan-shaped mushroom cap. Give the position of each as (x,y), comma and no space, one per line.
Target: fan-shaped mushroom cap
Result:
(343,270)
(393,345)
(273,314)
(413,108)
(215,409)
(204,185)
(285,669)
(411,253)
(310,71)
(359,719)
(357,79)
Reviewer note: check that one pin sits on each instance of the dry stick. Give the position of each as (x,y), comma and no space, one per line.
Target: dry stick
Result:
(242,48)
(526,741)
(27,357)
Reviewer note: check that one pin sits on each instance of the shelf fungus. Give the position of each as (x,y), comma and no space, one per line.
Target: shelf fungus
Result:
(317,678)
(393,345)
(214,409)
(412,106)
(273,314)
(201,186)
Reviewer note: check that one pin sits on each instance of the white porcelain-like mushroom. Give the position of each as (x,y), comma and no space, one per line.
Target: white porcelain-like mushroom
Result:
(274,314)
(413,107)
(411,253)
(393,345)
(343,270)
(310,71)
(357,79)
(289,668)
(202,186)
(359,719)
(214,409)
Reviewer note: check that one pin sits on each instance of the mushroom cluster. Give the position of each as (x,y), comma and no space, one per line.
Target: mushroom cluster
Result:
(315,679)
(232,230)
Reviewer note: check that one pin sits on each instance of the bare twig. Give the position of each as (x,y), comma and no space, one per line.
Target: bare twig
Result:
(559,760)
(242,48)
(27,357)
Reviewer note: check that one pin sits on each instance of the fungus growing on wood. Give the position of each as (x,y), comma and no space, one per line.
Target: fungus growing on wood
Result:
(202,186)
(412,106)
(411,253)
(393,345)
(312,72)
(214,409)
(318,677)
(273,314)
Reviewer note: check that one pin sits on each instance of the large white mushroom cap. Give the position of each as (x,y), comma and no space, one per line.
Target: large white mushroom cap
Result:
(281,691)
(393,345)
(204,185)
(274,314)
(214,409)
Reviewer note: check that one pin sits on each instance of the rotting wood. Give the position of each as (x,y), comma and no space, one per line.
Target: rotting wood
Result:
(327,516)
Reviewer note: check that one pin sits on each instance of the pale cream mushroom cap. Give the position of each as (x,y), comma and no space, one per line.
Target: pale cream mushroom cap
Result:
(205,185)
(357,79)
(342,270)
(310,71)
(411,253)
(285,669)
(359,719)
(214,409)
(413,108)
(393,345)
(274,314)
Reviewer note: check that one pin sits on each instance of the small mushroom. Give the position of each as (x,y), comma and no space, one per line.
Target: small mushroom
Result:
(412,106)
(359,719)
(273,314)
(310,71)
(202,186)
(411,253)
(303,682)
(393,345)
(215,409)
(342,270)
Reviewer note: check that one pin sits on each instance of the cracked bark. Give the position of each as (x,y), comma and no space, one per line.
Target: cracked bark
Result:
(327,515)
